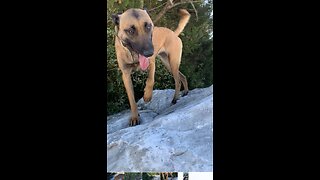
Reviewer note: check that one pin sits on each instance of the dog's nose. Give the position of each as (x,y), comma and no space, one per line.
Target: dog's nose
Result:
(148,53)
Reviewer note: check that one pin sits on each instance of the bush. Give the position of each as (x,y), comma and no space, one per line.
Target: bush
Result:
(116,94)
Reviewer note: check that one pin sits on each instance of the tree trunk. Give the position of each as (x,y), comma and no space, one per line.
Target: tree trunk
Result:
(163,11)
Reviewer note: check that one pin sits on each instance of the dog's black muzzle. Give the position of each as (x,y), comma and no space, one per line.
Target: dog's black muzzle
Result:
(144,48)
(148,52)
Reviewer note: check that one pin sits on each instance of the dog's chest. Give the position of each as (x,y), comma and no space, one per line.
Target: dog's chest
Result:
(134,66)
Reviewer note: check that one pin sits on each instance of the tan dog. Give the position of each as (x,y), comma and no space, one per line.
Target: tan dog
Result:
(137,44)
(119,176)
(165,175)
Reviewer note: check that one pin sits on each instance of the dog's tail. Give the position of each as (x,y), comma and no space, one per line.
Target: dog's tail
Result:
(184,18)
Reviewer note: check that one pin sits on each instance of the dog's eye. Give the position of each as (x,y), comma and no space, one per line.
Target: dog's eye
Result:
(147,26)
(130,31)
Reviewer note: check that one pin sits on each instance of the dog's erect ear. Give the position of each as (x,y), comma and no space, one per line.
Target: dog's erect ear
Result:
(116,18)
(146,10)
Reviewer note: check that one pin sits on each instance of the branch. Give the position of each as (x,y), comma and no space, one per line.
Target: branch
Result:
(194,9)
(184,2)
(170,5)
(156,7)
(163,11)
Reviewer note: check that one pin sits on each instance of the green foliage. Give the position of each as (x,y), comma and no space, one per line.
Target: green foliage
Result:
(137,175)
(196,63)
(197,55)
(132,175)
(116,94)
(147,176)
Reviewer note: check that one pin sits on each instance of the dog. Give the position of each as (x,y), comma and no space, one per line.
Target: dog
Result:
(165,175)
(119,176)
(138,42)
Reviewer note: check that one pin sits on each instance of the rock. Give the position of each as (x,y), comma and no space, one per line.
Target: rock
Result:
(170,138)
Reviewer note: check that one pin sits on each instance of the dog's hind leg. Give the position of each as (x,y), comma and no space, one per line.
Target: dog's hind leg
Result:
(150,80)
(185,84)
(175,73)
(164,59)
(174,60)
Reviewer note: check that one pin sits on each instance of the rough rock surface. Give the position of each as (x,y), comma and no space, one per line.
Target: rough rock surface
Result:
(170,138)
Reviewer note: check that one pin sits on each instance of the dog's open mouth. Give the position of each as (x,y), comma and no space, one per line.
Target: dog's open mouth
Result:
(144,62)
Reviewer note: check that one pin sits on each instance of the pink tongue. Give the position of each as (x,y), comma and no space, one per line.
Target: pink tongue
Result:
(144,62)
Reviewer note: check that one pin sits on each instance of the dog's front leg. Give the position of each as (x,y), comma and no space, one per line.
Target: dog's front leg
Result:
(150,80)
(126,77)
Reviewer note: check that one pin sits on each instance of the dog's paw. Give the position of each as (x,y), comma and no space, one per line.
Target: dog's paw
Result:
(147,99)
(185,93)
(134,121)
(147,96)
(174,101)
